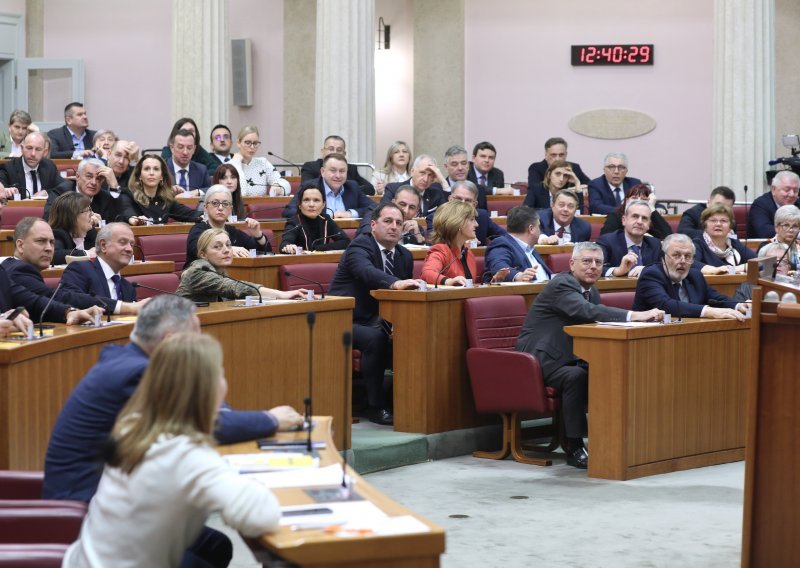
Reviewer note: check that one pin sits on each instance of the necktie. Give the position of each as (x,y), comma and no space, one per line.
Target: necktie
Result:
(637,250)
(388,261)
(482,181)
(34,182)
(618,195)
(117,279)
(560,233)
(182,181)
(586,295)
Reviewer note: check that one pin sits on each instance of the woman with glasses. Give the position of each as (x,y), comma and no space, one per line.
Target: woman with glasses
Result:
(659,228)
(151,198)
(206,280)
(228,176)
(72,222)
(217,208)
(787,227)
(312,228)
(715,247)
(257,176)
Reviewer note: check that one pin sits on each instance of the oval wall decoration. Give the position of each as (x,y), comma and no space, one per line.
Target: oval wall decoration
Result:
(612,123)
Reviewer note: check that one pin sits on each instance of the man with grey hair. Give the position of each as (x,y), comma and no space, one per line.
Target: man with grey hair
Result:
(607,192)
(784,191)
(457,166)
(674,286)
(88,181)
(571,298)
(423,173)
(30,174)
(74,139)
(628,250)
(11,141)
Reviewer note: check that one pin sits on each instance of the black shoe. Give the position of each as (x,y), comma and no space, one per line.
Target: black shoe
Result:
(382,416)
(578,458)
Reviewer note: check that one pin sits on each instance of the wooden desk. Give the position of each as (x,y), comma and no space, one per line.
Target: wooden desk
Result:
(136,269)
(664,398)
(266,363)
(316,548)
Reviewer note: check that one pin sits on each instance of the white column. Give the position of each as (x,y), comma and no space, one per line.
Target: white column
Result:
(200,55)
(345,76)
(744,98)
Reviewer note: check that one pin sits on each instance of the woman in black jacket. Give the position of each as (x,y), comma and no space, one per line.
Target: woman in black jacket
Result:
(311,228)
(72,221)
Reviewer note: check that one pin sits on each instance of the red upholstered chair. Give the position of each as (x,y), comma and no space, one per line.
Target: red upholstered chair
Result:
(502,205)
(21,484)
(271,210)
(322,272)
(480,263)
(32,555)
(351,233)
(165,247)
(505,381)
(417,270)
(596,228)
(673,224)
(52,281)
(522,186)
(622,300)
(558,262)
(45,525)
(13,215)
(167,282)
(739,214)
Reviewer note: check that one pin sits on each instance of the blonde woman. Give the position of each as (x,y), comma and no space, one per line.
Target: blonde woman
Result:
(257,177)
(163,476)
(450,261)
(395,169)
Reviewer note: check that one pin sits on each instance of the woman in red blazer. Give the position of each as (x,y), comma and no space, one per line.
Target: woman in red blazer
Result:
(450,261)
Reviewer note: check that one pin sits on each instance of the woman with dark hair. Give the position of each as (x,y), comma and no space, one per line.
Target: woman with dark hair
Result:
(201,155)
(312,228)
(659,228)
(150,196)
(228,176)
(71,220)
(559,175)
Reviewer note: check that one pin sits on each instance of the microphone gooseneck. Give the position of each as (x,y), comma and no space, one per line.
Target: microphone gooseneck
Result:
(44,311)
(108,311)
(443,270)
(309,280)
(347,340)
(274,155)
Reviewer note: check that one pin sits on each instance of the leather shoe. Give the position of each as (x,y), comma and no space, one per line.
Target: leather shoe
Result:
(382,416)
(579,458)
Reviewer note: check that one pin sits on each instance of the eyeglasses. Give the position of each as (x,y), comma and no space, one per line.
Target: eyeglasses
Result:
(221,137)
(217,204)
(619,168)
(722,221)
(591,261)
(677,256)
(252,143)
(788,227)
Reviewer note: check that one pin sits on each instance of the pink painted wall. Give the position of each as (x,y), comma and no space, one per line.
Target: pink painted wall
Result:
(126,50)
(521,89)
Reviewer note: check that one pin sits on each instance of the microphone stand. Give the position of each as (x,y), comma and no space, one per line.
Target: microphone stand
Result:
(44,311)
(311,318)
(443,270)
(94,295)
(347,340)
(274,155)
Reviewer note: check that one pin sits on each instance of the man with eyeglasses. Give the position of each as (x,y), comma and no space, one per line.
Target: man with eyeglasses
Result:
(408,200)
(221,142)
(674,286)
(571,298)
(607,192)
(784,191)
(191,178)
(334,144)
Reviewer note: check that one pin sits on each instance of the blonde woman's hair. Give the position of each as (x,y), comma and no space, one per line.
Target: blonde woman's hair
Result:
(178,395)
(388,168)
(247,129)
(205,240)
(448,220)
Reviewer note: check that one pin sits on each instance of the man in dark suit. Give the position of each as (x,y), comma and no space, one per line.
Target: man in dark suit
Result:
(761,217)
(608,191)
(73,140)
(32,174)
(221,141)
(114,247)
(334,145)
(483,173)
(466,192)
(570,298)
(191,178)
(374,262)
(456,166)
(90,176)
(423,173)
(559,223)
(628,250)
(554,149)
(675,287)
(690,223)
(119,160)
(407,199)
(515,252)
(343,198)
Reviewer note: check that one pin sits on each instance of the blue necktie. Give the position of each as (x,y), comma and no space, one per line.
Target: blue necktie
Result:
(637,250)
(117,279)
(182,181)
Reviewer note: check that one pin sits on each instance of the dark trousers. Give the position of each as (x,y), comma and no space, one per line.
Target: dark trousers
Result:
(573,382)
(212,549)
(375,347)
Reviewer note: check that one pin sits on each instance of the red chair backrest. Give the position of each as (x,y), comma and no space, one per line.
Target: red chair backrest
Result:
(44,525)
(21,484)
(596,228)
(167,282)
(522,186)
(739,214)
(351,233)
(673,224)
(52,281)
(32,555)
(502,205)
(322,272)
(165,247)
(494,322)
(13,215)
(270,210)
(622,300)
(559,262)
(417,270)
(480,262)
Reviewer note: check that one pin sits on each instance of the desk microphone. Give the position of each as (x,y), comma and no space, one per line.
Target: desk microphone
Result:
(108,311)
(347,340)
(304,279)
(258,291)
(443,270)
(44,311)
(311,318)
(153,288)
(141,252)
(274,155)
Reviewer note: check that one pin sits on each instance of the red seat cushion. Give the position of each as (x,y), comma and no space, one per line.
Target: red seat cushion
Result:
(165,247)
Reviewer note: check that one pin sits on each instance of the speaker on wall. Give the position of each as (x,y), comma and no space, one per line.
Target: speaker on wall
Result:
(242,72)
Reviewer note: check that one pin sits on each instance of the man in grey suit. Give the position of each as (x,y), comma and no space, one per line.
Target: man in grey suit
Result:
(570,298)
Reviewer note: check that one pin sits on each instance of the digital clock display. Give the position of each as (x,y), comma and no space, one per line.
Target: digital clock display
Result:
(614,54)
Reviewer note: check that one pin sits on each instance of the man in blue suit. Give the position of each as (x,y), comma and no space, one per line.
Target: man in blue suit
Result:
(74,140)
(514,251)
(101,276)
(467,192)
(761,218)
(375,262)
(608,191)
(554,149)
(343,198)
(628,250)
(191,178)
(559,224)
(675,287)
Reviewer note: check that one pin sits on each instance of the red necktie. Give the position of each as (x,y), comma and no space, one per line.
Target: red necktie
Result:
(560,233)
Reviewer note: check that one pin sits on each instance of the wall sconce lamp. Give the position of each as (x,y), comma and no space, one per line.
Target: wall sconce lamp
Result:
(384,34)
